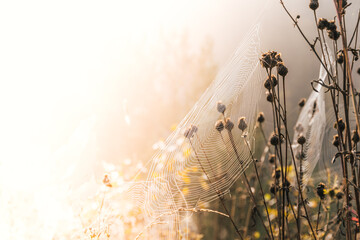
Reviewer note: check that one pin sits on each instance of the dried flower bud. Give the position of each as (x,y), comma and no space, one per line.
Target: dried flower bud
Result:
(229,125)
(340,125)
(189,132)
(219,125)
(302,102)
(331,26)
(314,4)
(261,117)
(336,140)
(321,190)
(301,140)
(340,57)
(242,125)
(269,96)
(282,69)
(273,189)
(270,82)
(221,107)
(278,57)
(277,173)
(334,35)
(323,23)
(339,195)
(355,136)
(268,59)
(272,158)
(358,71)
(274,140)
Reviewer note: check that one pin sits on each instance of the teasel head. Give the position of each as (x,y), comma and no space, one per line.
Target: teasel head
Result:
(282,69)
(340,57)
(302,102)
(301,140)
(314,4)
(336,140)
(274,139)
(269,97)
(321,190)
(323,23)
(242,125)
(355,137)
(221,107)
(340,125)
(229,125)
(260,117)
(219,125)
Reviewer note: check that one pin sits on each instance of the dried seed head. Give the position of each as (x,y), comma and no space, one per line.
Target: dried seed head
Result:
(274,140)
(282,69)
(301,140)
(270,82)
(340,57)
(355,136)
(323,23)
(336,140)
(321,190)
(277,173)
(272,158)
(332,193)
(302,102)
(314,4)
(268,59)
(242,125)
(221,107)
(358,71)
(339,195)
(331,26)
(219,125)
(269,96)
(340,125)
(190,131)
(278,57)
(229,125)
(261,117)
(334,35)
(273,189)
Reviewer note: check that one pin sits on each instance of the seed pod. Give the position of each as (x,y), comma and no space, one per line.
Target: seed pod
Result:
(229,125)
(242,125)
(302,102)
(355,136)
(268,59)
(340,57)
(272,158)
(278,57)
(219,125)
(314,4)
(322,23)
(336,140)
(301,140)
(274,140)
(321,190)
(277,173)
(221,107)
(269,96)
(340,125)
(261,117)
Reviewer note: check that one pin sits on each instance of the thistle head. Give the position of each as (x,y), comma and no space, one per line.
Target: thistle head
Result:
(336,140)
(314,4)
(229,125)
(282,69)
(274,139)
(301,140)
(322,23)
(340,125)
(242,125)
